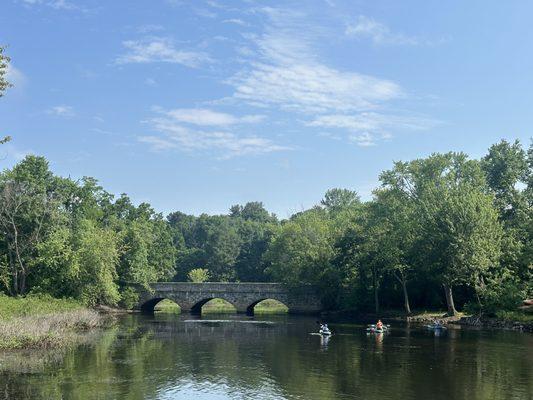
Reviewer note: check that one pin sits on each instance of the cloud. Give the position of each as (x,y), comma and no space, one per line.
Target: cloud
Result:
(156,49)
(56,4)
(236,21)
(15,153)
(61,111)
(282,70)
(213,138)
(226,144)
(311,87)
(380,34)
(367,128)
(206,117)
(150,82)
(289,75)
(148,28)
(365,139)
(372,121)
(16,77)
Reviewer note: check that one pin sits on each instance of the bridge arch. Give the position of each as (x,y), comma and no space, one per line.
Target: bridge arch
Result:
(197,308)
(250,310)
(148,306)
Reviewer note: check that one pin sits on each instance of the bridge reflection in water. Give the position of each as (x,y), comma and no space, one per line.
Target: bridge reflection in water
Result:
(243,296)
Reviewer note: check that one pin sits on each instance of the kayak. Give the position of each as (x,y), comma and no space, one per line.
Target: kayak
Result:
(373,329)
(436,327)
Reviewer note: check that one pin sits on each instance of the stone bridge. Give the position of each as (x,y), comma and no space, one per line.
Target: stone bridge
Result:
(244,296)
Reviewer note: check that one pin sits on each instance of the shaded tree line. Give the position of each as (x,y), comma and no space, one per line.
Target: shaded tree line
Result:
(444,230)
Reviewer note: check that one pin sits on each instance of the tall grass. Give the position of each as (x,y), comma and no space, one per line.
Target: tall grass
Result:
(14,307)
(44,322)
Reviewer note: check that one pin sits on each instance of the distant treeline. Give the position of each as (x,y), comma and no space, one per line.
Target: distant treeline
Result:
(436,227)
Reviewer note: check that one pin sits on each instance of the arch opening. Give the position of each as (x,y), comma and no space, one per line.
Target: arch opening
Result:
(213,305)
(160,305)
(167,306)
(267,306)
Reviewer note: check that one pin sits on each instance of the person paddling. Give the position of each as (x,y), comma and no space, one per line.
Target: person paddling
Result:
(379,325)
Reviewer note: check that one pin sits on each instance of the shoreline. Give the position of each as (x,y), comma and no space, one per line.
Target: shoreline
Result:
(493,323)
(44,322)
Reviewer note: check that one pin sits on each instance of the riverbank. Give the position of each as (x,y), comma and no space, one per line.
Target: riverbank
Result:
(506,320)
(42,322)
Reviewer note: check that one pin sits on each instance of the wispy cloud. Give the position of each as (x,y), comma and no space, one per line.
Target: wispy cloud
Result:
(364,139)
(56,4)
(148,28)
(16,77)
(61,111)
(283,70)
(158,49)
(289,75)
(207,117)
(236,21)
(179,129)
(368,128)
(372,121)
(224,144)
(379,33)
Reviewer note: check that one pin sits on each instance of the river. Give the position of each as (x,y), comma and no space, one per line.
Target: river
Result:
(236,357)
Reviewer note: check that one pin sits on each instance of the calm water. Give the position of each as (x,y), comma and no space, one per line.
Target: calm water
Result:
(173,357)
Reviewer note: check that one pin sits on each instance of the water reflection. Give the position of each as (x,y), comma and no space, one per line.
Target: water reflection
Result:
(173,357)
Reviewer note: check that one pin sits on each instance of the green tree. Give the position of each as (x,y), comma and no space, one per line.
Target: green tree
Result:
(97,255)
(460,236)
(302,251)
(397,217)
(27,207)
(198,275)
(336,200)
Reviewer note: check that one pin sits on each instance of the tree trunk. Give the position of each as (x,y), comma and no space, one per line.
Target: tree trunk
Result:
(403,281)
(406,297)
(449,299)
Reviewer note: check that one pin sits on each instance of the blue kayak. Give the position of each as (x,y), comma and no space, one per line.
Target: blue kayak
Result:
(436,327)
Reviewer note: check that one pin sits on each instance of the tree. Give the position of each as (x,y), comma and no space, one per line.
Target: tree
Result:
(336,200)
(302,250)
(26,208)
(459,231)
(254,238)
(506,166)
(396,214)
(252,211)
(198,275)
(97,255)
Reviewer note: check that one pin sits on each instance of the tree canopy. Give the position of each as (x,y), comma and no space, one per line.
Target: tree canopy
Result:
(443,230)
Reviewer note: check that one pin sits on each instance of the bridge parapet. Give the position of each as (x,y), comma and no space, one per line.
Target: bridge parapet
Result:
(244,296)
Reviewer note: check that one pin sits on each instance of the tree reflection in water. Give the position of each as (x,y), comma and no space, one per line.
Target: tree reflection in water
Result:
(166,357)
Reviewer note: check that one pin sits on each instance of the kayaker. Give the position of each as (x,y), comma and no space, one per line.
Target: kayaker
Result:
(379,325)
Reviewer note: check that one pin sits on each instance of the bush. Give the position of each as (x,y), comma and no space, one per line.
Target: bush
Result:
(198,275)
(129,298)
(503,294)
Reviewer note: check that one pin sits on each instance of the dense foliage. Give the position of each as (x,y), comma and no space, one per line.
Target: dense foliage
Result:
(442,230)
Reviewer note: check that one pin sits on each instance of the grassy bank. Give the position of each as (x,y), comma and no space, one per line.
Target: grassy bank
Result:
(44,322)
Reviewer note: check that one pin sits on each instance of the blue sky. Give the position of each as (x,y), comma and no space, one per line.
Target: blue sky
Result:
(198,105)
